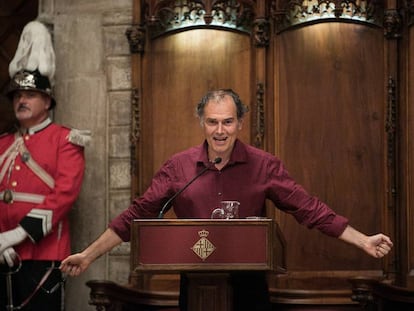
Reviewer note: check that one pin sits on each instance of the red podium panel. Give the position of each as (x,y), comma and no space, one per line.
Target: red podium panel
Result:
(170,245)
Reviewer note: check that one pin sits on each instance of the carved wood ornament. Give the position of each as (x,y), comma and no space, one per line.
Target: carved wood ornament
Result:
(292,12)
(168,15)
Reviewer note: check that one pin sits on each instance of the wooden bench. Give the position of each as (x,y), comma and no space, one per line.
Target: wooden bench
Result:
(378,295)
(110,296)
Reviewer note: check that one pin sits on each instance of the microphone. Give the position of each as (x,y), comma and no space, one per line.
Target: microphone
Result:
(164,207)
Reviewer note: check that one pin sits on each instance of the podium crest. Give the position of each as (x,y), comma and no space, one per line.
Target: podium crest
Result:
(203,247)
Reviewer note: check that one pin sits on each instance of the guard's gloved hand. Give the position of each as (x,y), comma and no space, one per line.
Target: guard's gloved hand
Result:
(11,238)
(9,256)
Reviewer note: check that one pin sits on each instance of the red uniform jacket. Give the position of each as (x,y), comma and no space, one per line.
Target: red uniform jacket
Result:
(46,222)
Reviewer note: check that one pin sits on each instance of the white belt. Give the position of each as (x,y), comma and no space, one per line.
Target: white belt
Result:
(21,197)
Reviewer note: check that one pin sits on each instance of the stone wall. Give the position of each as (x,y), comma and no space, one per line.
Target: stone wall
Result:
(93,92)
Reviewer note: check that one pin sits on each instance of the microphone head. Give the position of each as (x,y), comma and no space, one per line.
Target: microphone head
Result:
(217,160)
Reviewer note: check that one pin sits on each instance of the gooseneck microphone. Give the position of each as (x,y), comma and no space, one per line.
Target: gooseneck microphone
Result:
(165,206)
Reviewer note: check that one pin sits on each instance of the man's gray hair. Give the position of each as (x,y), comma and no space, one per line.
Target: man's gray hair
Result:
(218,95)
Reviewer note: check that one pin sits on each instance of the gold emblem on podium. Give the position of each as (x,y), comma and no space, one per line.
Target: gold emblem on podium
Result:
(203,247)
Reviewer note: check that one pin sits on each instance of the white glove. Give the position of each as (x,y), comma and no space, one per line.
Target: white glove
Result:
(11,238)
(9,256)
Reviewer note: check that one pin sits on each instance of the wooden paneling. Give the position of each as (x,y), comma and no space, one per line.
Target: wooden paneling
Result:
(408,265)
(331,114)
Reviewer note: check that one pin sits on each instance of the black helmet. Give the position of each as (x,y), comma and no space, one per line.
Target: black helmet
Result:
(31,80)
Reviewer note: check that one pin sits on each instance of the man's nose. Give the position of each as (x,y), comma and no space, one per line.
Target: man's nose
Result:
(220,127)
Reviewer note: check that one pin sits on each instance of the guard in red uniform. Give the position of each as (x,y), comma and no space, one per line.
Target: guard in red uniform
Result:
(41,171)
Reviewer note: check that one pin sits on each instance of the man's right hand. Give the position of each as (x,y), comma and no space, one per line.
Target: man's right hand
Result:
(11,238)
(75,264)
(9,256)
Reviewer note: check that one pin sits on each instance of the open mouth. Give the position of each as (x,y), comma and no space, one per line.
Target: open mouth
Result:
(220,138)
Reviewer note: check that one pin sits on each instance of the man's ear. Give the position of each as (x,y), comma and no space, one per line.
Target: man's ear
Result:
(240,126)
(201,122)
(48,101)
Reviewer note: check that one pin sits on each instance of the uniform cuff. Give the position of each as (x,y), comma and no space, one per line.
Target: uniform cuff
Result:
(37,223)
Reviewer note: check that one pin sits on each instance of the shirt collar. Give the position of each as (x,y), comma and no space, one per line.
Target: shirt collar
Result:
(34,129)
(238,155)
(202,157)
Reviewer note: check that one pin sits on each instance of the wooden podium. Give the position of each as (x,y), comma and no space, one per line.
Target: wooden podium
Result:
(206,251)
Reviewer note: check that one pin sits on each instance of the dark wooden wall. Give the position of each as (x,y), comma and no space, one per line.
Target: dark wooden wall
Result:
(331,117)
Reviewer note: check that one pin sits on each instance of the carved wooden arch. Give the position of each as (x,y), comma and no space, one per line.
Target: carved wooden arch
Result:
(290,13)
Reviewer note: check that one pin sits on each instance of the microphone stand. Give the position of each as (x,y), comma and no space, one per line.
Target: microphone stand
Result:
(164,207)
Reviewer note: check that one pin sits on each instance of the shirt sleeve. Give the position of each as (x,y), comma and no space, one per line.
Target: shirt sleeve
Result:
(149,204)
(308,210)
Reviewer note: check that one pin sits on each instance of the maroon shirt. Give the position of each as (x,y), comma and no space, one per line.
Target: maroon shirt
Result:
(251,176)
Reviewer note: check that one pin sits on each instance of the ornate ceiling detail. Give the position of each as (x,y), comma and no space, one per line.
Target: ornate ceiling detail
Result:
(297,12)
(171,15)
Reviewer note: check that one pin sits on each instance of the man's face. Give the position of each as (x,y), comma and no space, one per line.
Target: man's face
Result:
(30,107)
(221,127)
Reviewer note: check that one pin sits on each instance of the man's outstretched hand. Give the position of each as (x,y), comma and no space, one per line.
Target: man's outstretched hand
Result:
(378,245)
(75,264)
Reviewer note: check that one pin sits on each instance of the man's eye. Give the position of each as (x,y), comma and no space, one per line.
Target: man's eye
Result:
(211,122)
(228,122)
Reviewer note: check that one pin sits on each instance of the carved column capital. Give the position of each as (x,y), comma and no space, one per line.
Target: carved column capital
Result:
(392,24)
(261,32)
(136,38)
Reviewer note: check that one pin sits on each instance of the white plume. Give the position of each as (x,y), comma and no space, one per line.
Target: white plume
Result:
(34,51)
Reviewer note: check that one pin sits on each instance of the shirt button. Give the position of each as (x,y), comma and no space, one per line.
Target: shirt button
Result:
(219,193)
(17,167)
(27,137)
(14,183)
